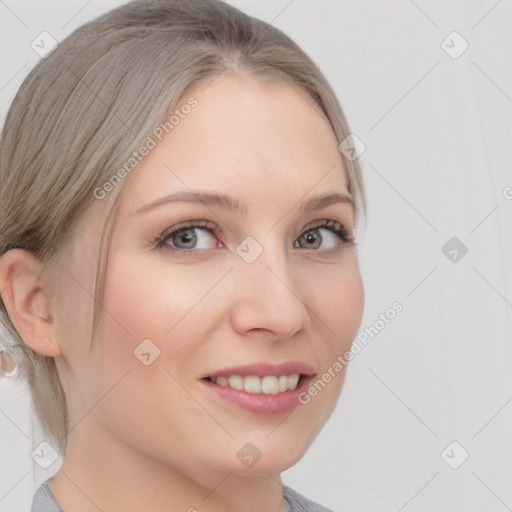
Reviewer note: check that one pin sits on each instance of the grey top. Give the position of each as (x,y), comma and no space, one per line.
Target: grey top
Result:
(45,501)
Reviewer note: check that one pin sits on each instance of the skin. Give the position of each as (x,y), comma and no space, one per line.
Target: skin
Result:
(152,437)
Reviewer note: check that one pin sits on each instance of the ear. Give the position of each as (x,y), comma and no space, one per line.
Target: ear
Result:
(28,300)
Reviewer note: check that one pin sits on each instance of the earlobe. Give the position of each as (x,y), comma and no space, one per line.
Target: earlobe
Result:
(28,300)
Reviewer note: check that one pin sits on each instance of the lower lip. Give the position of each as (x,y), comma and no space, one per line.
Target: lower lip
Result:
(260,403)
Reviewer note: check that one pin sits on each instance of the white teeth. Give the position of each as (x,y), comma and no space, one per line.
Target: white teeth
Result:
(268,385)
(236,382)
(252,384)
(293,380)
(222,381)
(283,382)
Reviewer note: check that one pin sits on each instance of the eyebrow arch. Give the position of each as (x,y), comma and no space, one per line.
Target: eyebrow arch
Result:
(323,201)
(215,199)
(205,197)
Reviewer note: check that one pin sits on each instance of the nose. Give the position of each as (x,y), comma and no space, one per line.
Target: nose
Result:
(268,298)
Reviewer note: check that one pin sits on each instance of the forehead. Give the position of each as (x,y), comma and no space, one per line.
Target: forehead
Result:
(243,136)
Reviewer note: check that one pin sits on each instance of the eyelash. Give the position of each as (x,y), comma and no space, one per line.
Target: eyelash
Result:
(161,240)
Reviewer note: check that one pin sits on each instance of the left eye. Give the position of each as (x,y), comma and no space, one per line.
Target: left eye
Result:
(191,238)
(313,239)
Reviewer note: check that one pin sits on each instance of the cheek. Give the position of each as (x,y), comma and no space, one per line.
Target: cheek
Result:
(350,312)
(146,299)
(169,304)
(340,305)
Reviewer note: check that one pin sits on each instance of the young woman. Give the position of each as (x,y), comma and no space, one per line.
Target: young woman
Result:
(179,263)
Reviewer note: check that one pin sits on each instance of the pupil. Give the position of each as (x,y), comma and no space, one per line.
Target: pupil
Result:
(313,237)
(188,237)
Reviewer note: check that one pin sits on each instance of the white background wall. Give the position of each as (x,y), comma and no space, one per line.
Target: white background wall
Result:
(437,164)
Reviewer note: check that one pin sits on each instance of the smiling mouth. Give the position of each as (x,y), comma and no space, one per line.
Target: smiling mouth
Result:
(267,385)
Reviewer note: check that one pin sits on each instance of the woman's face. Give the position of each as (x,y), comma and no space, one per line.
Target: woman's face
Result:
(253,287)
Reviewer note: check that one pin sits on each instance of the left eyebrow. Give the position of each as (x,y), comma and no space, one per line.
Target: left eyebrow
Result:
(323,201)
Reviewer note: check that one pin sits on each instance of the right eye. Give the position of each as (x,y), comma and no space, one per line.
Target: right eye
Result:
(189,236)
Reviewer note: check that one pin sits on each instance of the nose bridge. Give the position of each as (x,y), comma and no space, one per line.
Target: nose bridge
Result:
(266,265)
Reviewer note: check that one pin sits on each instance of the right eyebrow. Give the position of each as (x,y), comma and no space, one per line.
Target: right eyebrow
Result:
(205,197)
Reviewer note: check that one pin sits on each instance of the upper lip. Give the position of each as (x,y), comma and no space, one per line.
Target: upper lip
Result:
(264,368)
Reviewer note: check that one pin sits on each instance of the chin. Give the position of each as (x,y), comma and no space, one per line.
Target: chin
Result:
(261,456)
(276,465)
